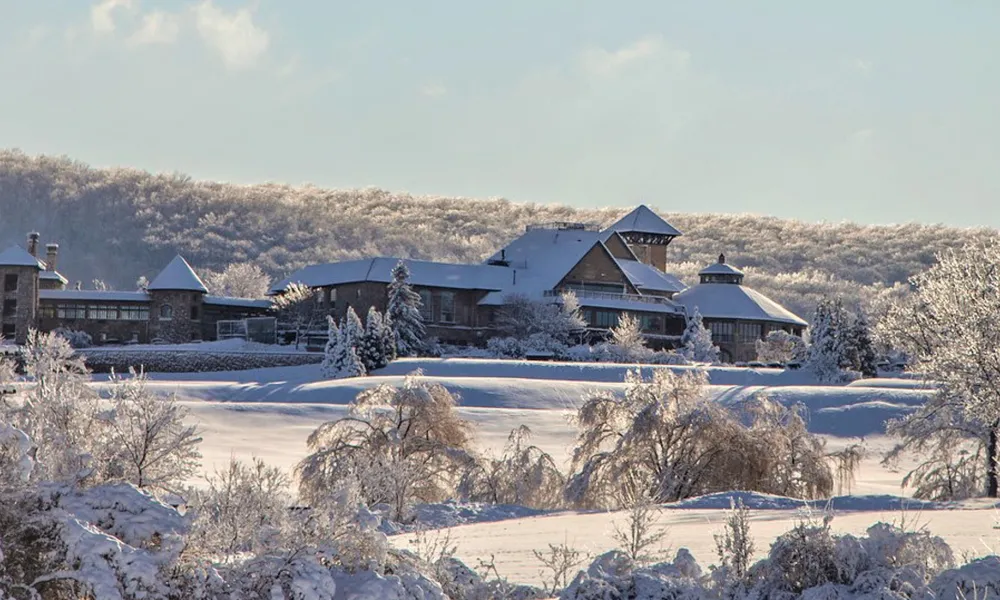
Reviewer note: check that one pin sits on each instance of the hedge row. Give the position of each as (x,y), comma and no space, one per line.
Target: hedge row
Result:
(165,361)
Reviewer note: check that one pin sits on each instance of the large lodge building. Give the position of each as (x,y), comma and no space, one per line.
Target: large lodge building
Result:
(612,271)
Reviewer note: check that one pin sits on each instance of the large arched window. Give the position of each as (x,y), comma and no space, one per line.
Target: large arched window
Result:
(166,312)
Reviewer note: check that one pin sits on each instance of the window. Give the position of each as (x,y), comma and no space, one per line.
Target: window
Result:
(579,286)
(102,312)
(9,331)
(748,332)
(426,310)
(722,331)
(133,312)
(47,311)
(9,307)
(10,282)
(447,307)
(194,313)
(651,323)
(71,311)
(166,312)
(604,319)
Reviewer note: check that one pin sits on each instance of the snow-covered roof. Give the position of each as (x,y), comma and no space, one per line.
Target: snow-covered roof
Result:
(737,302)
(648,277)
(720,268)
(53,275)
(241,302)
(16,256)
(543,257)
(178,275)
(93,296)
(422,273)
(644,220)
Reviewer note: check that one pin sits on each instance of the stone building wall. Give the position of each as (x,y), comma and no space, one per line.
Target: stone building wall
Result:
(183,325)
(15,326)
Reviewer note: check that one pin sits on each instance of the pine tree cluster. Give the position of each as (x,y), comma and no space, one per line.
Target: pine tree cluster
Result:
(841,339)
(353,349)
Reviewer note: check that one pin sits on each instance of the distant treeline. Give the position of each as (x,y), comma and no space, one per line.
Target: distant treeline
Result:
(118,224)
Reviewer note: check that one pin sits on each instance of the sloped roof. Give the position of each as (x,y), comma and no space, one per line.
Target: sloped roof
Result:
(542,257)
(54,275)
(178,275)
(720,269)
(647,277)
(644,220)
(240,302)
(737,302)
(16,256)
(93,295)
(422,273)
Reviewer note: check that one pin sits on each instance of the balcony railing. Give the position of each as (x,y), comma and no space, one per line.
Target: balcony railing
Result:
(585,294)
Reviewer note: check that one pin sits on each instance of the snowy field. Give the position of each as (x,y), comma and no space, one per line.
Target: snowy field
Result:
(268,413)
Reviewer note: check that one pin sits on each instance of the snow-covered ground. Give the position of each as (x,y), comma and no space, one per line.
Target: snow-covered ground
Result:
(270,412)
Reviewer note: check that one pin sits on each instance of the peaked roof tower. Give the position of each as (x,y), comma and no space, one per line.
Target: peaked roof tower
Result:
(642,222)
(178,275)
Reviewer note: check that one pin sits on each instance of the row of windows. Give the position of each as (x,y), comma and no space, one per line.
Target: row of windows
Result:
(738,332)
(98,312)
(607,319)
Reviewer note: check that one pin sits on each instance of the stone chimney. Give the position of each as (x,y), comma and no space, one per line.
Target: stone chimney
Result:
(33,243)
(51,254)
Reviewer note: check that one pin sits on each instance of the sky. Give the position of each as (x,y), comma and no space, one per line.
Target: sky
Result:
(875,112)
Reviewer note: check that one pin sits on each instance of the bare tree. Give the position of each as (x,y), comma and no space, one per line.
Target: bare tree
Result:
(640,535)
(734,546)
(148,442)
(948,328)
(522,475)
(398,445)
(558,562)
(238,280)
(297,309)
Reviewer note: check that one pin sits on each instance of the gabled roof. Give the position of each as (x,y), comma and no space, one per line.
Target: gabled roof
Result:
(178,275)
(644,220)
(542,257)
(16,256)
(736,302)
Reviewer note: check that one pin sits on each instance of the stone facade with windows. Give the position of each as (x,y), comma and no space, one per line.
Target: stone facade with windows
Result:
(175,308)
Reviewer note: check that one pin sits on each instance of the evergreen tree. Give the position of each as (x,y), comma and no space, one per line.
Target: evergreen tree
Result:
(387,339)
(860,347)
(697,341)
(404,313)
(827,349)
(331,352)
(371,348)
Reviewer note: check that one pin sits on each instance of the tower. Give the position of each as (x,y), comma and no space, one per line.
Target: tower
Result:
(19,271)
(176,298)
(647,235)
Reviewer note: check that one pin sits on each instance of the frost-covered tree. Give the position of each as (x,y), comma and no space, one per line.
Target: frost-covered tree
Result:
(238,280)
(59,410)
(697,340)
(859,346)
(522,475)
(332,352)
(341,357)
(296,309)
(781,346)
(403,313)
(372,345)
(522,317)
(665,440)
(626,341)
(948,327)
(399,445)
(148,443)
(827,348)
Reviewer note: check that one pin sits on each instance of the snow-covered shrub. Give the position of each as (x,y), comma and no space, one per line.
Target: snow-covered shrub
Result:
(627,340)
(781,346)
(506,347)
(148,442)
(885,562)
(399,445)
(523,475)
(665,440)
(403,313)
(340,357)
(613,576)
(241,503)
(979,580)
(697,343)
(76,339)
(734,547)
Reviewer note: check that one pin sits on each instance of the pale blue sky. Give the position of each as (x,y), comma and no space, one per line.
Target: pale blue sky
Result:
(876,112)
